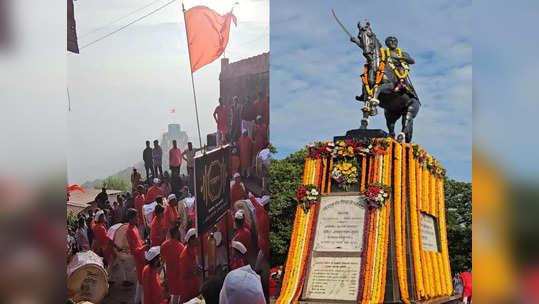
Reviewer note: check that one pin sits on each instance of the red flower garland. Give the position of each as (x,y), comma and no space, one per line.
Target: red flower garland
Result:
(368,213)
(308,256)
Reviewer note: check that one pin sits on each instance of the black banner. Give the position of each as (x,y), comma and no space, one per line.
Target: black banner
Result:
(212,187)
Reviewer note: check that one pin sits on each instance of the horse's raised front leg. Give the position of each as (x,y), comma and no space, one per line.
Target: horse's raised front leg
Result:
(408,118)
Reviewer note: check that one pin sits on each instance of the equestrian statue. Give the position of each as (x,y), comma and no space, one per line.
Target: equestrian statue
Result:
(386,82)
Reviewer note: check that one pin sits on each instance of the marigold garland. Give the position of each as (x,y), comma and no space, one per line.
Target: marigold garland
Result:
(418,273)
(416,181)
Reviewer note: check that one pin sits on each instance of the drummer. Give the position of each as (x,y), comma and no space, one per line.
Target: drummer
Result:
(159,227)
(243,234)
(189,268)
(171,210)
(103,244)
(239,258)
(137,248)
(153,291)
(171,250)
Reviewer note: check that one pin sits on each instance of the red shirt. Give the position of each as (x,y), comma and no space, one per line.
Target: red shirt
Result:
(466,278)
(102,241)
(246,151)
(153,291)
(158,230)
(175,157)
(234,164)
(237,192)
(153,193)
(262,227)
(261,136)
(139,203)
(189,278)
(171,250)
(171,214)
(136,246)
(243,235)
(222,118)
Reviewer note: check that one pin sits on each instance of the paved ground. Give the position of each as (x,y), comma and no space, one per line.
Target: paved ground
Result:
(119,294)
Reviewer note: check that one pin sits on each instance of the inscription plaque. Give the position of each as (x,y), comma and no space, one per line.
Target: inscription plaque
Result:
(340,224)
(333,278)
(428,233)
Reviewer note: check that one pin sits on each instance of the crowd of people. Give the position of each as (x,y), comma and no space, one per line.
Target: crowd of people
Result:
(166,236)
(244,124)
(153,164)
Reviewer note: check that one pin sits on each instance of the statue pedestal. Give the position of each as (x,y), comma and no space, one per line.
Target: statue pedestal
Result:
(362,133)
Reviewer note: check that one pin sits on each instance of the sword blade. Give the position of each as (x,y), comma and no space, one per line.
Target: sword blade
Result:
(340,23)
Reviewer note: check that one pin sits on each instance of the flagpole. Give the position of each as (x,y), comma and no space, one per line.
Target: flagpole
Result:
(192,78)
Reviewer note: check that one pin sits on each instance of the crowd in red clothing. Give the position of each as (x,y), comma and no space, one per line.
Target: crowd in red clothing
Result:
(245,125)
(180,252)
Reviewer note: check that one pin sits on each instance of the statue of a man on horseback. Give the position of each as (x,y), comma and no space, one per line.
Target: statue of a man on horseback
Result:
(385,82)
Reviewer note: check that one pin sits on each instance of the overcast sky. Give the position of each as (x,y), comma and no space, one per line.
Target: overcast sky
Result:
(123,87)
(315,73)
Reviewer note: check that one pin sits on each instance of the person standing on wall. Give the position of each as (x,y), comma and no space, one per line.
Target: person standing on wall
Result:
(148,162)
(221,118)
(157,158)
(248,116)
(135,179)
(175,160)
(189,157)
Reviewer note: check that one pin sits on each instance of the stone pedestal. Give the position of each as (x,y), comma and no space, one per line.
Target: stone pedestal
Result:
(362,133)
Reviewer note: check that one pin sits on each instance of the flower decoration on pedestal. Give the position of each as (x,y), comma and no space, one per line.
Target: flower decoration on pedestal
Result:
(427,161)
(346,173)
(377,194)
(348,148)
(307,195)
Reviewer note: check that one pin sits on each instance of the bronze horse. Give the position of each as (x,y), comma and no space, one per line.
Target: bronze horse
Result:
(386,83)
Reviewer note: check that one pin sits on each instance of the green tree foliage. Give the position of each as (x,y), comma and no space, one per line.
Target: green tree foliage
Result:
(285,178)
(458,201)
(115,184)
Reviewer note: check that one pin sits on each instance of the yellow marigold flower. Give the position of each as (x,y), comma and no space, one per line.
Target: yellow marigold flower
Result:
(341,143)
(354,169)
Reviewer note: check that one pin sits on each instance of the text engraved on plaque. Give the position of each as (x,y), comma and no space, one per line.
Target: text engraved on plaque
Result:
(428,233)
(333,278)
(340,224)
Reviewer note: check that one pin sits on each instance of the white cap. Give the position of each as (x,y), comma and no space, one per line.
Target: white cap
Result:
(241,284)
(191,232)
(258,116)
(239,215)
(243,131)
(98,214)
(156,180)
(171,197)
(152,253)
(236,175)
(218,238)
(239,246)
(264,200)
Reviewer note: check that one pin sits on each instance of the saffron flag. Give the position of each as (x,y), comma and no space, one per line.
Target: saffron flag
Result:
(75,187)
(207,34)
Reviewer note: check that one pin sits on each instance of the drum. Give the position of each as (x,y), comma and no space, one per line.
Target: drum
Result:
(87,279)
(117,233)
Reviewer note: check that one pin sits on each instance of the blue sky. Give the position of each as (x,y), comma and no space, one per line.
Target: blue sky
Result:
(315,73)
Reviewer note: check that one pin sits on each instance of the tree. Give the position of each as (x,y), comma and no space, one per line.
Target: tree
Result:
(285,178)
(458,202)
(115,184)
